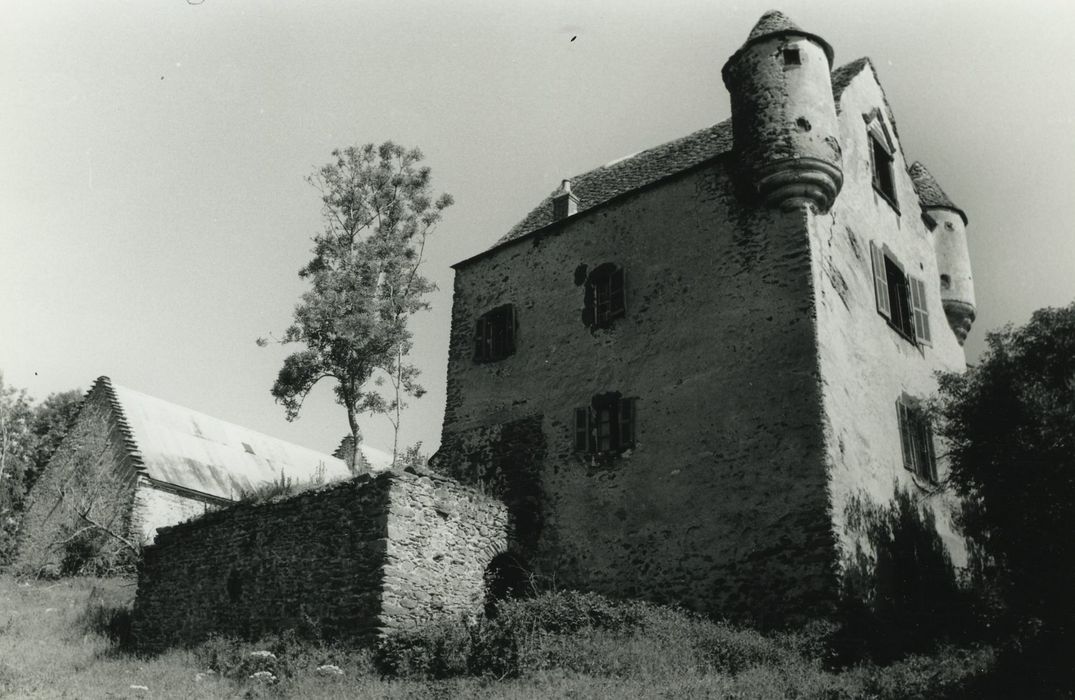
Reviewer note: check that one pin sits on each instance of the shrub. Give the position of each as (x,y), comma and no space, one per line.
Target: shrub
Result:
(104,616)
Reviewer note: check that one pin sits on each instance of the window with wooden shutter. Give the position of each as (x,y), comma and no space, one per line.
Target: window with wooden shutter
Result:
(921,315)
(494,334)
(916,440)
(606,427)
(605,296)
(880,281)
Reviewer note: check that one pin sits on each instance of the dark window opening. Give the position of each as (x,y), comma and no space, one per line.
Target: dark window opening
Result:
(916,440)
(494,334)
(234,586)
(506,577)
(604,301)
(884,174)
(899,294)
(607,426)
(946,282)
(792,57)
(901,298)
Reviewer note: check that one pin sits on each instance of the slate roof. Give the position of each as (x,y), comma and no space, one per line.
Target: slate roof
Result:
(191,450)
(625,175)
(929,191)
(775,22)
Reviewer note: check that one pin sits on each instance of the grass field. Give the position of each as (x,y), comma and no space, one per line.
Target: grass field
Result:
(54,644)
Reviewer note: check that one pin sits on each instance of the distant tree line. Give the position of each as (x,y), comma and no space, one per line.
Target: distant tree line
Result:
(29,435)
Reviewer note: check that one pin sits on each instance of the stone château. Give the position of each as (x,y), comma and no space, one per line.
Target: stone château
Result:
(687,376)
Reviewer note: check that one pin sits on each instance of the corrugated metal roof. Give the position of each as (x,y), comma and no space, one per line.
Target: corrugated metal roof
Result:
(189,449)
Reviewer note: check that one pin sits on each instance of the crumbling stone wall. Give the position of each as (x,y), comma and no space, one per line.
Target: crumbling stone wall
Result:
(722,503)
(350,560)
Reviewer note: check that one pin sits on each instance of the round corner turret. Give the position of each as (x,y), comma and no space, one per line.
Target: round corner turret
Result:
(784,115)
(949,226)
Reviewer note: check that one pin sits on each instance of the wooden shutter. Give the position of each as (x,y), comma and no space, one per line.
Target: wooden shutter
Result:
(617,295)
(906,441)
(479,339)
(880,281)
(582,430)
(627,423)
(509,344)
(918,309)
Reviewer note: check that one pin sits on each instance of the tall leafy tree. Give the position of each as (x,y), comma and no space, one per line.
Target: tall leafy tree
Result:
(378,210)
(1009,422)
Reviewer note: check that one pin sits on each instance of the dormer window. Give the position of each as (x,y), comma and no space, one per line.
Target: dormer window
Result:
(882,158)
(901,298)
(494,334)
(604,300)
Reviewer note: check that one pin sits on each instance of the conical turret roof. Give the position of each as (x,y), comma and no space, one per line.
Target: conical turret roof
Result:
(772,22)
(930,194)
(776,23)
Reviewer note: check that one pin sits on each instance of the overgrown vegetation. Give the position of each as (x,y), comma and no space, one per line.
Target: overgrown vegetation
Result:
(29,434)
(1010,425)
(67,640)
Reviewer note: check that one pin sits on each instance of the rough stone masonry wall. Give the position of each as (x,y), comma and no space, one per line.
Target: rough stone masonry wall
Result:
(91,468)
(722,504)
(350,560)
(865,363)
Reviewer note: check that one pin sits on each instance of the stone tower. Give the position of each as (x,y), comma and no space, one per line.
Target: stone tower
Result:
(949,226)
(784,115)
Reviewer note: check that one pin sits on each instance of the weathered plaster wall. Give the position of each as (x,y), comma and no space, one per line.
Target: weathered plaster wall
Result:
(722,504)
(865,364)
(156,505)
(351,559)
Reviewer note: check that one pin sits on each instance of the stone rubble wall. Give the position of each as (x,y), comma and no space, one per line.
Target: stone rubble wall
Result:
(441,538)
(348,561)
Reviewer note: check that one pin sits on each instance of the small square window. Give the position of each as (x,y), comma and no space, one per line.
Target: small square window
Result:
(792,57)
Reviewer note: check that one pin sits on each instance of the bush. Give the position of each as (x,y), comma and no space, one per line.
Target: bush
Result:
(283,655)
(104,616)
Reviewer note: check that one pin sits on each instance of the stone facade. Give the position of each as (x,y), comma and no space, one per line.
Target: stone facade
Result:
(763,376)
(350,560)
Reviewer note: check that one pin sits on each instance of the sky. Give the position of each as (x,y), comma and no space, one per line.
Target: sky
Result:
(153,154)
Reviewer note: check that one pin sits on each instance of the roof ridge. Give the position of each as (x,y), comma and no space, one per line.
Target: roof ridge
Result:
(120,418)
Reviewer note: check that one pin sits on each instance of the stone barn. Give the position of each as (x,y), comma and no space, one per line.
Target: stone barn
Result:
(133,463)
